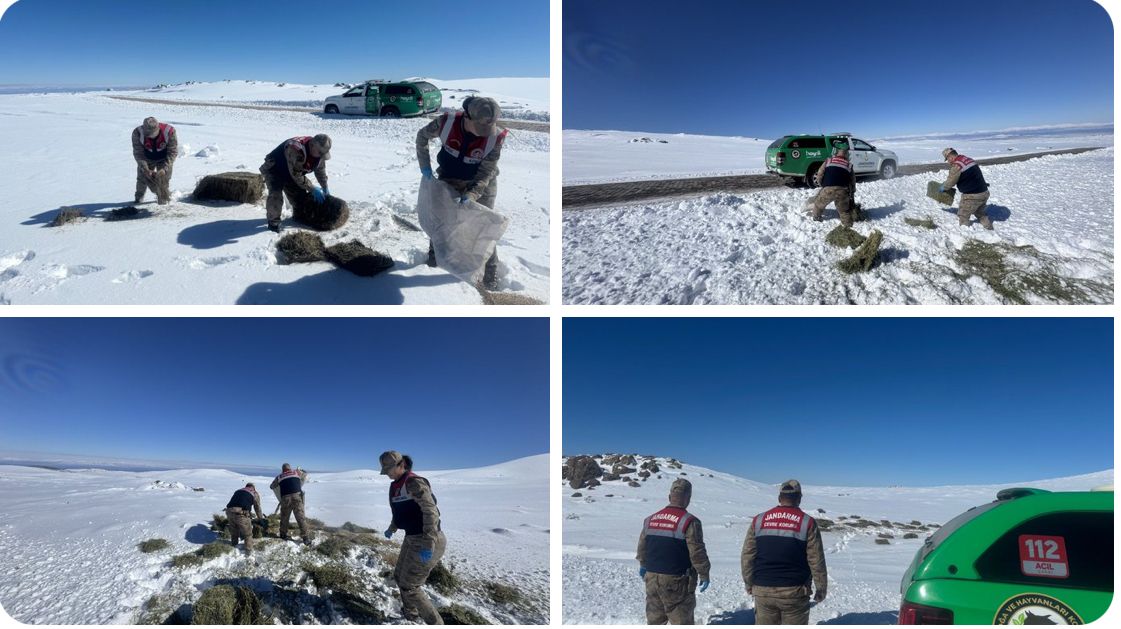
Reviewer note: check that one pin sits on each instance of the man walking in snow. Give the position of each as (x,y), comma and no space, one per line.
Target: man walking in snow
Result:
(966,175)
(285,171)
(672,558)
(244,501)
(413,506)
(154,147)
(291,486)
(471,143)
(781,556)
(837,186)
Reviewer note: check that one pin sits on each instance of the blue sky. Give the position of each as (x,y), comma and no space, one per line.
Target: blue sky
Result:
(850,401)
(875,67)
(143,42)
(324,394)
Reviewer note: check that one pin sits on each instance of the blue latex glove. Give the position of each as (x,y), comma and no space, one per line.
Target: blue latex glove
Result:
(318,194)
(426,173)
(425,555)
(941,190)
(463,199)
(326,192)
(704,585)
(388,533)
(641,571)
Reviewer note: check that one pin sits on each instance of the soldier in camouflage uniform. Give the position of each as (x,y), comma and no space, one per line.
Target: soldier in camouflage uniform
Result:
(285,171)
(672,558)
(838,185)
(290,482)
(781,556)
(238,509)
(471,144)
(154,147)
(966,175)
(414,510)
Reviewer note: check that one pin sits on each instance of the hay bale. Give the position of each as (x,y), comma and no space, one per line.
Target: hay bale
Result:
(127,213)
(358,258)
(240,187)
(302,246)
(880,540)
(66,215)
(227,605)
(920,222)
(457,614)
(865,256)
(910,536)
(945,198)
(842,236)
(152,545)
(331,214)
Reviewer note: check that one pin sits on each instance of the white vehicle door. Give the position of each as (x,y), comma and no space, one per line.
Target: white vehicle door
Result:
(354,101)
(862,156)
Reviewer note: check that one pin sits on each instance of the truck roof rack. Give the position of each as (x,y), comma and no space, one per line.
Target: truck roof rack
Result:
(1018,492)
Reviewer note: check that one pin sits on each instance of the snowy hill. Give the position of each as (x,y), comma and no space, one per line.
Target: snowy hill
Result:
(220,252)
(601,527)
(68,544)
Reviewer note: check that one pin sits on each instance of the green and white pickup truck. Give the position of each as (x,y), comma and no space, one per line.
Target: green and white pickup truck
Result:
(388,99)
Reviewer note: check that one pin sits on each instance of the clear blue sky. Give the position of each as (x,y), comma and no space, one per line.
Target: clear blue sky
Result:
(874,67)
(850,401)
(145,42)
(324,394)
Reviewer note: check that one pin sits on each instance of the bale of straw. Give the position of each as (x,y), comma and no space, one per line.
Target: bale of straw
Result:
(331,214)
(865,256)
(842,236)
(240,187)
(66,215)
(945,198)
(920,222)
(302,246)
(127,213)
(358,258)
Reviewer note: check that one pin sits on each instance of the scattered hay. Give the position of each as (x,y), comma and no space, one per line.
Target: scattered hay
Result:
(331,576)
(1037,274)
(920,222)
(360,611)
(358,258)
(66,215)
(127,213)
(882,541)
(494,298)
(405,223)
(335,547)
(910,536)
(442,579)
(331,214)
(152,545)
(351,527)
(302,246)
(945,198)
(203,554)
(503,594)
(240,187)
(457,614)
(227,605)
(164,609)
(824,524)
(865,256)
(845,237)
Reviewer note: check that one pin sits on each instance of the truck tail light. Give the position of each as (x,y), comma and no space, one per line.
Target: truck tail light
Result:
(914,614)
(780,158)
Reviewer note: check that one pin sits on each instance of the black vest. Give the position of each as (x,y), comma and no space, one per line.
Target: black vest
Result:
(780,547)
(666,550)
(971,180)
(453,167)
(406,512)
(280,161)
(290,483)
(243,499)
(838,172)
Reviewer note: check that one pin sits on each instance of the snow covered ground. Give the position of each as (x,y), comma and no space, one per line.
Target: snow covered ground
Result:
(218,253)
(607,156)
(520,98)
(601,583)
(68,551)
(763,248)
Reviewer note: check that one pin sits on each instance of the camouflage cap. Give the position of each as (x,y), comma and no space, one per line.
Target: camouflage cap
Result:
(791,487)
(484,112)
(323,141)
(151,126)
(947,152)
(681,486)
(389,460)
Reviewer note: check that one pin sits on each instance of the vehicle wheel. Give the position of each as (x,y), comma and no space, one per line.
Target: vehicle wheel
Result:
(887,170)
(808,179)
(390,112)
(331,109)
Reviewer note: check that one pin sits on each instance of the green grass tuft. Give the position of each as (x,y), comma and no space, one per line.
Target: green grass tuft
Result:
(152,545)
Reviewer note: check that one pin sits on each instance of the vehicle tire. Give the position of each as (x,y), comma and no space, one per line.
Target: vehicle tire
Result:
(330,109)
(887,169)
(808,178)
(390,112)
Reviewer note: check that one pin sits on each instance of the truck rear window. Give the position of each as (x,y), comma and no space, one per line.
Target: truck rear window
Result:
(777,144)
(808,143)
(1087,562)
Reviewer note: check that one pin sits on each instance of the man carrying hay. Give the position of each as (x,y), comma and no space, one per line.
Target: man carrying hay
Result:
(154,147)
(471,144)
(837,186)
(244,501)
(291,485)
(966,175)
(285,171)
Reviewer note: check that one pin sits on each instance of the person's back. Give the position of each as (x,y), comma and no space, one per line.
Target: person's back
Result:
(672,558)
(291,487)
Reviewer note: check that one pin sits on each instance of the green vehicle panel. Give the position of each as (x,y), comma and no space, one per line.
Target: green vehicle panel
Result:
(1030,557)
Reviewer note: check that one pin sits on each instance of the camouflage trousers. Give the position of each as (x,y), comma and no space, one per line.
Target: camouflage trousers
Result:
(782,605)
(240,527)
(410,573)
(278,188)
(160,184)
(670,598)
(833,194)
(293,504)
(487,199)
(974,205)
